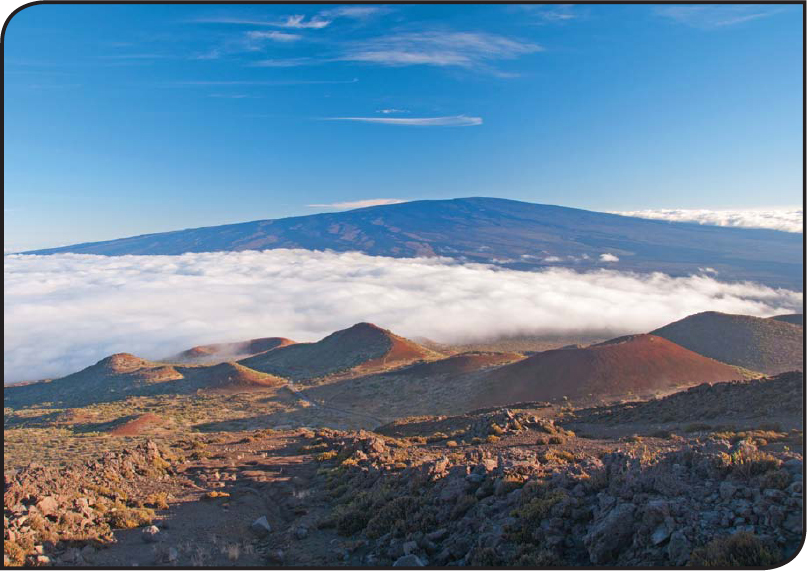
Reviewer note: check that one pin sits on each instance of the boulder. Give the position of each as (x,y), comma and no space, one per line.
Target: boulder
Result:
(611,534)
(678,549)
(660,534)
(150,534)
(48,505)
(261,526)
(727,490)
(409,561)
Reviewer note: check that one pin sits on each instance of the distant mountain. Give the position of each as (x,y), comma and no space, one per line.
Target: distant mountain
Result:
(518,235)
(220,352)
(363,347)
(124,375)
(636,364)
(792,318)
(765,345)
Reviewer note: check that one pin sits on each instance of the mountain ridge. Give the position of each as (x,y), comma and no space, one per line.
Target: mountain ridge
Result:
(513,234)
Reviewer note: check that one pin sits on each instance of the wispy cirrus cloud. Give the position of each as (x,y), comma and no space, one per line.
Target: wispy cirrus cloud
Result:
(274,36)
(278,83)
(389,111)
(355,12)
(551,13)
(449,121)
(296,21)
(716,16)
(284,62)
(318,21)
(460,49)
(359,203)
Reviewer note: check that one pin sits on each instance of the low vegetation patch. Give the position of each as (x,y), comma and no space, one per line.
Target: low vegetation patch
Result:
(742,549)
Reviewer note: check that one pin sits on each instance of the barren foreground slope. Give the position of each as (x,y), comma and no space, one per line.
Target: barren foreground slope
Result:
(496,487)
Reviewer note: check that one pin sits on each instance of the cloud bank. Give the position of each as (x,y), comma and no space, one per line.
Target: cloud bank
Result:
(784,219)
(65,312)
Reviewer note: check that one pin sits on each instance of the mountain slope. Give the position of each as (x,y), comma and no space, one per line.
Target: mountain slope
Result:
(636,363)
(123,375)
(363,347)
(766,345)
(220,352)
(515,234)
(792,318)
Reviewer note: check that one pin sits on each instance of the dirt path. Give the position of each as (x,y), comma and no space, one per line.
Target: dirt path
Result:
(269,478)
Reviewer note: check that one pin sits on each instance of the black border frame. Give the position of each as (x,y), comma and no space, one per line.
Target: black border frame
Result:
(803,3)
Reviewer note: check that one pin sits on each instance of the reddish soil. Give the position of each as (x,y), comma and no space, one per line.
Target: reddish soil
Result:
(122,363)
(637,363)
(138,425)
(462,363)
(230,377)
(363,347)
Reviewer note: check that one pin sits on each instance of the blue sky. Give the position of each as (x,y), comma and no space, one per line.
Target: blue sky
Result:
(122,120)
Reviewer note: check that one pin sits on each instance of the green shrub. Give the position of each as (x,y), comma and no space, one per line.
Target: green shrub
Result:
(742,549)
(697,427)
(393,514)
(495,429)
(745,464)
(15,553)
(124,517)
(328,455)
(463,504)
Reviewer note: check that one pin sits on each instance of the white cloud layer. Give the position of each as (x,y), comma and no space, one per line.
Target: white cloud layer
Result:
(450,121)
(65,312)
(784,219)
(359,203)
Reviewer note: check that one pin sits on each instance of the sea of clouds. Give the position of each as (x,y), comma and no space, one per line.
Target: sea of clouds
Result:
(784,219)
(65,312)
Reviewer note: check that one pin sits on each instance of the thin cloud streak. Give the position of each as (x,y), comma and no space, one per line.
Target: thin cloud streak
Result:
(712,17)
(359,203)
(274,36)
(296,21)
(65,312)
(263,83)
(450,121)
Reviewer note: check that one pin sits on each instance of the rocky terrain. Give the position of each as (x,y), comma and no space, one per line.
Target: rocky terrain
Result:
(494,487)
(367,449)
(768,345)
